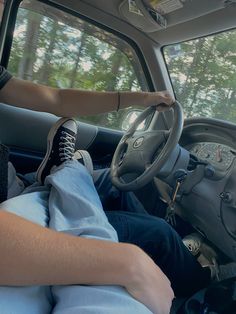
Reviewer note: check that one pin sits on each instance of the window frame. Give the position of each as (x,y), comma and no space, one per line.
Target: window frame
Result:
(8,25)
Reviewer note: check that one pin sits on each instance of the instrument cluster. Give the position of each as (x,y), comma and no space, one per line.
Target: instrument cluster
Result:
(218,155)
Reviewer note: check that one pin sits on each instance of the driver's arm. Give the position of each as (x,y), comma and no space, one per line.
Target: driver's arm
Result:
(33,255)
(72,102)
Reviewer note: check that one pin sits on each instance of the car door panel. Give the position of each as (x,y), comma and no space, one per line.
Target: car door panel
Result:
(25,133)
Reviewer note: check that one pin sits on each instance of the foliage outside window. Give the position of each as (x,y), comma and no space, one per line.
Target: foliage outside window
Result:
(203,73)
(57,49)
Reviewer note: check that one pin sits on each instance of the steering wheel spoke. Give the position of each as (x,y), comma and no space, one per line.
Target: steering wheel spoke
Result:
(131,162)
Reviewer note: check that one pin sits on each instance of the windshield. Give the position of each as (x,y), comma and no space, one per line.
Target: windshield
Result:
(203,74)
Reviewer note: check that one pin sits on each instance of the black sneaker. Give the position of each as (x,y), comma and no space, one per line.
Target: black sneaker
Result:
(60,146)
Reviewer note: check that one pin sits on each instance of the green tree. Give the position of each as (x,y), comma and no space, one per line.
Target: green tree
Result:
(25,67)
(50,52)
(203,75)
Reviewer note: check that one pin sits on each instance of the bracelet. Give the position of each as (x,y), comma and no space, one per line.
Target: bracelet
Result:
(118,102)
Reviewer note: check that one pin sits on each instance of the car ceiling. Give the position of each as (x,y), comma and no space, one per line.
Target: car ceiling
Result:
(196,18)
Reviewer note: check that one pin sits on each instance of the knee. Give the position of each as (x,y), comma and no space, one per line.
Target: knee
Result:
(161,226)
(166,235)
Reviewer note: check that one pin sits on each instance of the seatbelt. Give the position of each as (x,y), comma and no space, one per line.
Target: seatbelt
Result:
(4,155)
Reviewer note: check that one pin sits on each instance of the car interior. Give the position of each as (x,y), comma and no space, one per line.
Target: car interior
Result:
(183,158)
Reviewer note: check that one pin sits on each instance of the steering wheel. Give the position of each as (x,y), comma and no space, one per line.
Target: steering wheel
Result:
(144,152)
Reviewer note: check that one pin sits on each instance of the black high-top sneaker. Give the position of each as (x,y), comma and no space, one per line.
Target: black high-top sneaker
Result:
(60,146)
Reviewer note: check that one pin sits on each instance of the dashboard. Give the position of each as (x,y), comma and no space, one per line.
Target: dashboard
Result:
(218,155)
(208,203)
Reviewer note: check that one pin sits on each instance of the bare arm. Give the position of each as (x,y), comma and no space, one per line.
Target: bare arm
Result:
(74,102)
(33,255)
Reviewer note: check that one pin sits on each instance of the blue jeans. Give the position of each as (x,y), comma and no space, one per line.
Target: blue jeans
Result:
(67,203)
(156,237)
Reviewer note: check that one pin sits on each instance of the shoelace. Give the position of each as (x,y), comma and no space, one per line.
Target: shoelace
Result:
(68,149)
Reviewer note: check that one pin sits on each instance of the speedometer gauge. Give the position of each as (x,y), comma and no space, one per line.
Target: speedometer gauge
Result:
(207,152)
(218,155)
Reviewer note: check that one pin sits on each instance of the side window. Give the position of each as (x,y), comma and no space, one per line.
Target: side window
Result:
(54,48)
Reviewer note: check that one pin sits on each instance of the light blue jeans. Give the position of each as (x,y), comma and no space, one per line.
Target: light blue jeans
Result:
(67,203)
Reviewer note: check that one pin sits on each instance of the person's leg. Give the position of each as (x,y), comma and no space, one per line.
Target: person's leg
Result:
(74,205)
(36,299)
(155,236)
(75,208)
(160,241)
(111,197)
(15,185)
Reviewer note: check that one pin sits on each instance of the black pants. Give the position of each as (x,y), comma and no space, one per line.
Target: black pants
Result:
(154,235)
